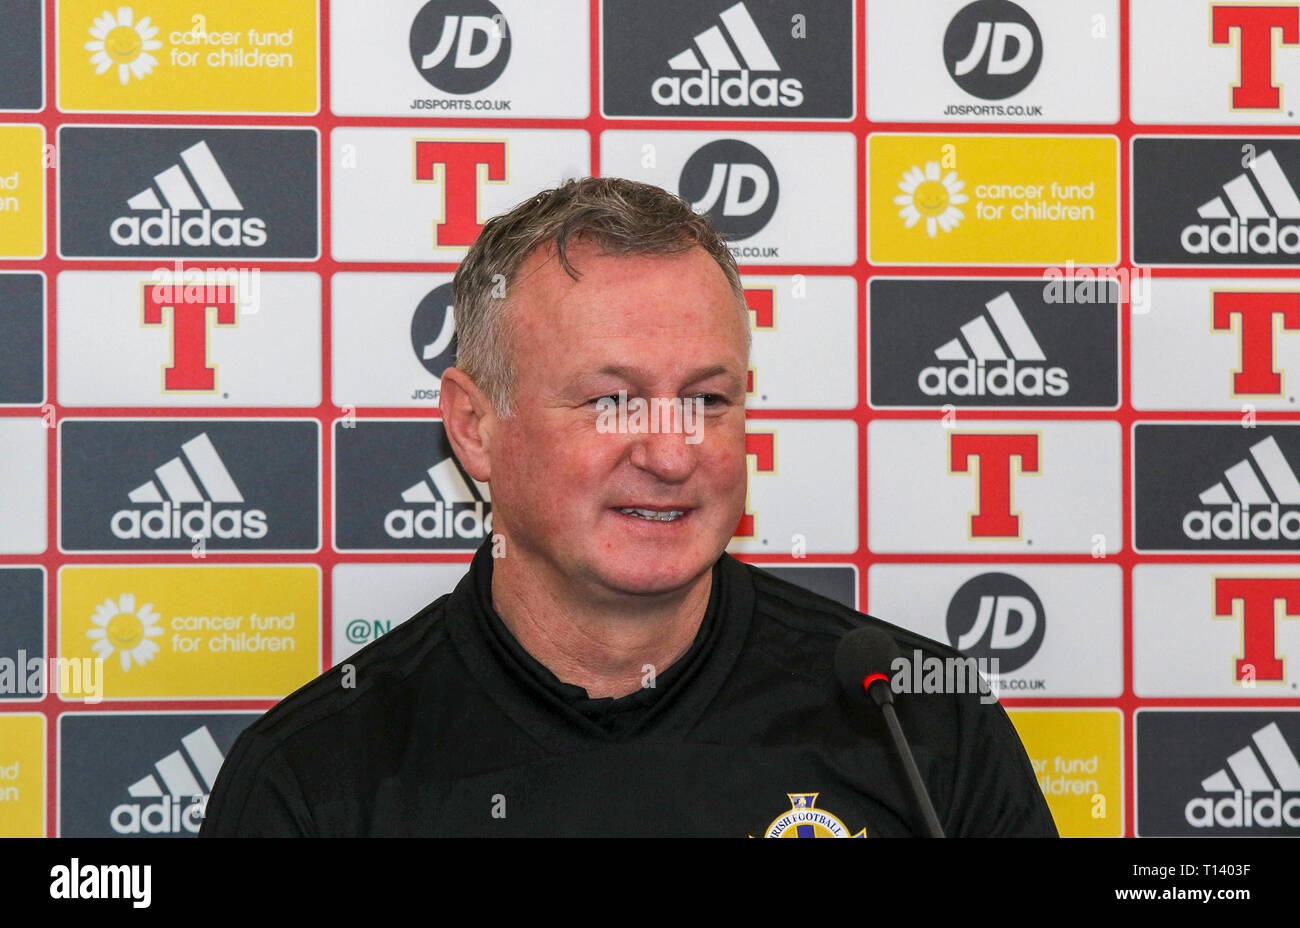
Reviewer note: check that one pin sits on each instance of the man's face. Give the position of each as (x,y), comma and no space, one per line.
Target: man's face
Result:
(656,327)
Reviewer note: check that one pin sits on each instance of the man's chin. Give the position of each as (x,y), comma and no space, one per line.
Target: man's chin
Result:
(633,576)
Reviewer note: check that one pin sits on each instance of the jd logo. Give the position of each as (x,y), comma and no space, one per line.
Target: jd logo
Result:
(734,184)
(997,615)
(460,46)
(992,49)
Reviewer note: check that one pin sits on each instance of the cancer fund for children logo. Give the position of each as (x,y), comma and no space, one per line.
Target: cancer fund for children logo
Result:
(993,200)
(22,775)
(224,56)
(201,632)
(22,191)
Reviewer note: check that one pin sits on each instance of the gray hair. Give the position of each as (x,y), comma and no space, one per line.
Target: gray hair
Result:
(621,217)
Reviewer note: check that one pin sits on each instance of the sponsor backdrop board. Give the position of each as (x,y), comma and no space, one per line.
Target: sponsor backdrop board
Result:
(1054,630)
(1079,761)
(992,61)
(23,158)
(1239,205)
(22,353)
(1216,629)
(220,339)
(158,58)
(1218,774)
(500,58)
(729,61)
(1245,328)
(189,193)
(1229,63)
(775,196)
(1023,279)
(140,774)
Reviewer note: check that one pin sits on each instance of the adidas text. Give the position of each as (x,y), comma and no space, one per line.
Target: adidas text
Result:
(1249,810)
(1239,523)
(170,520)
(439,521)
(707,89)
(1235,237)
(167,228)
(170,815)
(974,378)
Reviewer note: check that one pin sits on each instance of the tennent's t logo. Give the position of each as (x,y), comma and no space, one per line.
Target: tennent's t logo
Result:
(1254,26)
(1257,374)
(761,446)
(189,307)
(762,303)
(993,517)
(1259,597)
(461,168)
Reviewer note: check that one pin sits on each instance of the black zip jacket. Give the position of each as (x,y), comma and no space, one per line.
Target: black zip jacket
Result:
(450,728)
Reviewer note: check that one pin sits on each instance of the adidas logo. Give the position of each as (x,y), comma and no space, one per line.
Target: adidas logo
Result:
(1250,767)
(199,478)
(441,494)
(998,359)
(177,186)
(170,814)
(1249,227)
(1250,480)
(736,46)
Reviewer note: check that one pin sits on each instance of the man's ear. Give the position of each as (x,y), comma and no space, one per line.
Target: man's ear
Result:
(469,418)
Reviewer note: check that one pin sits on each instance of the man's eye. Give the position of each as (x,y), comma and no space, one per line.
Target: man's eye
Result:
(710,399)
(612,397)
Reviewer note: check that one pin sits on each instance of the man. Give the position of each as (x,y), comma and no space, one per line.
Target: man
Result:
(605,668)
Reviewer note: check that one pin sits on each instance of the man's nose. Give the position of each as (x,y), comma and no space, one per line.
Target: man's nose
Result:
(665,450)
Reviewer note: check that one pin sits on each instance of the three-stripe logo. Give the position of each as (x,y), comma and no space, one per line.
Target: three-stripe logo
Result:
(995,354)
(180,774)
(433,497)
(751,51)
(1248,502)
(183,198)
(196,477)
(1250,787)
(1244,218)
(734,47)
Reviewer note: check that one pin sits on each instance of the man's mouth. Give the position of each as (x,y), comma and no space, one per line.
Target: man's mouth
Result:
(653,515)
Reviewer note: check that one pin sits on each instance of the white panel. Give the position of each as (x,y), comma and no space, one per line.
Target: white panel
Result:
(22,485)
(814,222)
(813,492)
(908,81)
(108,357)
(381,213)
(388,594)
(1180,649)
(1180,361)
(548,74)
(916,504)
(1082,652)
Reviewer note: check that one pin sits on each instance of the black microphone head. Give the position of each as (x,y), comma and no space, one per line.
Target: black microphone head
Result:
(861,654)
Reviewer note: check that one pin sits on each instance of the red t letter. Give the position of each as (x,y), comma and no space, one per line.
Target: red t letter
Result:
(994,518)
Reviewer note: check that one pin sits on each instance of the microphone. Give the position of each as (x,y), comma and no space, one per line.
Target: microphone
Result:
(862,659)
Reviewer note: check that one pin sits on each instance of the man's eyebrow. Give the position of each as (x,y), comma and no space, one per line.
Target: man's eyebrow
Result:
(632,372)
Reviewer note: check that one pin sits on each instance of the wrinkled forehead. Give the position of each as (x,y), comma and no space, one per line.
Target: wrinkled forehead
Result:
(625,302)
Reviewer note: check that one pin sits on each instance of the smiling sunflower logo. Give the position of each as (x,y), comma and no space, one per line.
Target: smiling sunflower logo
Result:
(119,40)
(926,195)
(122,628)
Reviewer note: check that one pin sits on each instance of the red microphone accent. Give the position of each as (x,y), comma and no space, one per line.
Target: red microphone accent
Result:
(867,681)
